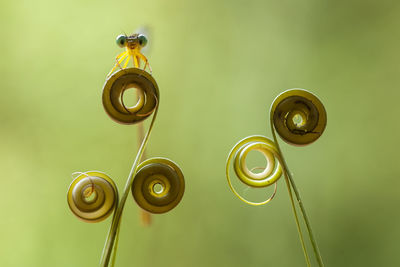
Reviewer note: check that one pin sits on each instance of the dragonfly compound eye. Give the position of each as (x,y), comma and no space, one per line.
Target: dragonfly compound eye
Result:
(121,40)
(142,40)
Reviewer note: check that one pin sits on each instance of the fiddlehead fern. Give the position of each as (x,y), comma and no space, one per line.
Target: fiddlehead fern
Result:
(115,87)
(300,118)
(158,185)
(270,174)
(92,196)
(113,104)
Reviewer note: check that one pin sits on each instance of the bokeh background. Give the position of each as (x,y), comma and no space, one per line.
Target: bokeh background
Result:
(219,65)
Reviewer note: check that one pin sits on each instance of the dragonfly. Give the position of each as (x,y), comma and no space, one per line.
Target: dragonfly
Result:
(133,45)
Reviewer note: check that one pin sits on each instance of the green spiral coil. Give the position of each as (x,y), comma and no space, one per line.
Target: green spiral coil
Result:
(299,117)
(270,174)
(92,196)
(163,173)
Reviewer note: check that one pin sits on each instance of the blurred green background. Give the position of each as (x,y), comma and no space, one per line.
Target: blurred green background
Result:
(219,65)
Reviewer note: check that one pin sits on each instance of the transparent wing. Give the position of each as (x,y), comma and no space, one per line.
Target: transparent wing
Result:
(146,30)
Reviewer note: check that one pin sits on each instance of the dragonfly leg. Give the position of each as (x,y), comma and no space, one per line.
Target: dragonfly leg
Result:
(127,61)
(118,60)
(146,62)
(136,61)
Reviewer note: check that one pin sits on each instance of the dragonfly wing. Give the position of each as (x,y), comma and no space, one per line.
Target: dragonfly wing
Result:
(146,31)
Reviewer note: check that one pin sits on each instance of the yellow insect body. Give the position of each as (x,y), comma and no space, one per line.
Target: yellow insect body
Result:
(133,45)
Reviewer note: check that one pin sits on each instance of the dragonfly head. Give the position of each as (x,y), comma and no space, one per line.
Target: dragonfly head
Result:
(132,42)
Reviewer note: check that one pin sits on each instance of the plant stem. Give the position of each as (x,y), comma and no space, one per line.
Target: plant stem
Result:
(108,247)
(299,201)
(144,215)
(297,222)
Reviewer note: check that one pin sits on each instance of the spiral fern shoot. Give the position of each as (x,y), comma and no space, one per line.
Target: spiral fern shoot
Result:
(92,196)
(157,184)
(267,177)
(299,118)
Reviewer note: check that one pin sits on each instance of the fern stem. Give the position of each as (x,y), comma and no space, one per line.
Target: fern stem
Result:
(299,201)
(297,221)
(113,232)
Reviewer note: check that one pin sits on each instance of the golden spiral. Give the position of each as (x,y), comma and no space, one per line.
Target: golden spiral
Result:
(270,174)
(158,185)
(299,116)
(115,87)
(92,196)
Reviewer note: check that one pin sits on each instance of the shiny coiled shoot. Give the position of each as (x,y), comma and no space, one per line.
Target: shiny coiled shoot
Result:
(269,175)
(157,184)
(299,118)
(92,196)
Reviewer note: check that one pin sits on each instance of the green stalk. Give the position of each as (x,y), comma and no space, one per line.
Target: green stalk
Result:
(297,221)
(113,232)
(144,215)
(299,201)
(115,246)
